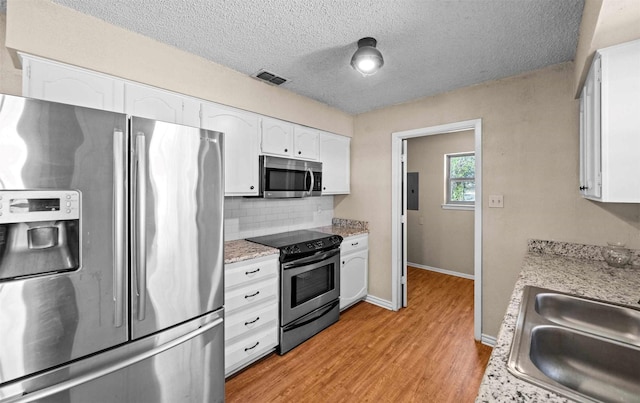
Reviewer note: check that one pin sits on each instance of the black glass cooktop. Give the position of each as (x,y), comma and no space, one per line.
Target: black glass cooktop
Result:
(289,238)
(298,244)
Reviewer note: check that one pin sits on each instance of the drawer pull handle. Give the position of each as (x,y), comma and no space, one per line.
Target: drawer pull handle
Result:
(252,321)
(252,295)
(252,271)
(355,244)
(251,348)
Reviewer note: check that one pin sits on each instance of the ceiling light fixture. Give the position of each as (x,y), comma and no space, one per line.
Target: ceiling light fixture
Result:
(367,60)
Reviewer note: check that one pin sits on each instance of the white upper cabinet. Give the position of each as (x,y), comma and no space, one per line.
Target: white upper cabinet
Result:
(336,168)
(241,130)
(305,142)
(154,103)
(277,137)
(56,82)
(610,126)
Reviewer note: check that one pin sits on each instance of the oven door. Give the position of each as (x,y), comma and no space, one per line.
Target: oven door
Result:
(309,283)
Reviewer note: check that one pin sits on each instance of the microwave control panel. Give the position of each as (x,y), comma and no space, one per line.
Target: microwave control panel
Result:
(38,205)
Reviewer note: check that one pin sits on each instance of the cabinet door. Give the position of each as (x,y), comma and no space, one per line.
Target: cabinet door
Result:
(336,168)
(590,134)
(305,143)
(152,103)
(241,130)
(353,278)
(277,137)
(57,82)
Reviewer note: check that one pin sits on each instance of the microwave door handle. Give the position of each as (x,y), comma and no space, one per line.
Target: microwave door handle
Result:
(312,180)
(141,199)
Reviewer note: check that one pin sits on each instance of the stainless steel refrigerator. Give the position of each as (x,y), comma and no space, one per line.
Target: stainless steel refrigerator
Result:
(111,257)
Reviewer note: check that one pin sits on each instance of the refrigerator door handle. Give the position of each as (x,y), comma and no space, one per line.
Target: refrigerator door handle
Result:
(119,197)
(141,249)
(90,376)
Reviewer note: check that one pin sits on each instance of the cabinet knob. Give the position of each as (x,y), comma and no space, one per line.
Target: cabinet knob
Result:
(251,188)
(584,187)
(299,152)
(286,150)
(324,188)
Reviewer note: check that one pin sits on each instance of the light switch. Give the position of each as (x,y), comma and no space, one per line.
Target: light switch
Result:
(496,201)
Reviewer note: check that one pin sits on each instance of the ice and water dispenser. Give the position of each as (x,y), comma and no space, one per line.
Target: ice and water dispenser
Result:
(39,232)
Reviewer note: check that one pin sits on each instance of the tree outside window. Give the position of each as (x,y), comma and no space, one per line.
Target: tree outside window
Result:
(460,178)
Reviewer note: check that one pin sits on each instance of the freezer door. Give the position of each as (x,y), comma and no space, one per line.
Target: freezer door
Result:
(62,282)
(182,364)
(177,225)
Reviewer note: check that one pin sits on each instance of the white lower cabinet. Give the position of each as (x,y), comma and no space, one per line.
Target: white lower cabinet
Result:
(354,268)
(251,306)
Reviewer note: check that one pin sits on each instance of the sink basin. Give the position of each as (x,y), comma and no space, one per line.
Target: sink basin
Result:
(607,320)
(584,349)
(602,370)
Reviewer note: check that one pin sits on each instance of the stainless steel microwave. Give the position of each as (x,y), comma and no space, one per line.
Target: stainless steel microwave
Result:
(285,177)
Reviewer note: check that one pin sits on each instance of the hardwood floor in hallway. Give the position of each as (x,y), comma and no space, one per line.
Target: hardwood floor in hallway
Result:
(423,353)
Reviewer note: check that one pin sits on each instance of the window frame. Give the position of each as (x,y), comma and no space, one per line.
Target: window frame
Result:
(456,204)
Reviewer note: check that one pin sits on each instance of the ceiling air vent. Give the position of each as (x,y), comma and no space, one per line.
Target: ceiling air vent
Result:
(270,78)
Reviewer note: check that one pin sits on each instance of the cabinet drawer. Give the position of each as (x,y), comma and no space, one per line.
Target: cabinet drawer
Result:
(354,243)
(240,323)
(247,349)
(239,273)
(252,294)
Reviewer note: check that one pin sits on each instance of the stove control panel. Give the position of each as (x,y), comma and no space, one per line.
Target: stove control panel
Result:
(331,241)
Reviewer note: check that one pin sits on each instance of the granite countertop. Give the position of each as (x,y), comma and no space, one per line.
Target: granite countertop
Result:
(240,249)
(342,231)
(571,268)
(344,227)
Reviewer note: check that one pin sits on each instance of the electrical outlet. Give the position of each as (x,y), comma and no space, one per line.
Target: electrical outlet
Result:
(496,201)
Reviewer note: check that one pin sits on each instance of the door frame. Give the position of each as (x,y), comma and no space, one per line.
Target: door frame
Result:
(397,241)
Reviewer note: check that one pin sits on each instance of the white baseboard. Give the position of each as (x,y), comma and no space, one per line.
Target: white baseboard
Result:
(443,271)
(488,340)
(379,302)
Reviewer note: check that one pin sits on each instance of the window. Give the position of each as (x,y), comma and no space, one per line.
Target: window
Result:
(460,179)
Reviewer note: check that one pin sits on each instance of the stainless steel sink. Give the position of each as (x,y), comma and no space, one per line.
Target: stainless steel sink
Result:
(604,319)
(583,349)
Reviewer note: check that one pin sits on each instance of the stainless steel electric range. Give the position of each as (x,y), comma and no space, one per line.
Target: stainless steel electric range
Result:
(309,283)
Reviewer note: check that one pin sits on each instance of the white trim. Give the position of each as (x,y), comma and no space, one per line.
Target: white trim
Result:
(488,340)
(458,207)
(396,198)
(383,303)
(443,271)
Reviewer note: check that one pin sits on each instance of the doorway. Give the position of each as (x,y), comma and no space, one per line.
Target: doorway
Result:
(399,208)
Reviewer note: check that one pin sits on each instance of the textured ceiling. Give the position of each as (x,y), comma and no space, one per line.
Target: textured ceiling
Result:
(428,46)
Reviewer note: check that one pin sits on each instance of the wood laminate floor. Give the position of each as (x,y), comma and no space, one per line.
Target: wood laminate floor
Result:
(423,353)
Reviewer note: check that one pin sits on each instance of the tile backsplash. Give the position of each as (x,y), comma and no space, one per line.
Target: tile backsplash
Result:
(249,217)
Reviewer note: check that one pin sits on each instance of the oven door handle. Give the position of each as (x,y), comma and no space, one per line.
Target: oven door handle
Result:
(311,259)
(311,317)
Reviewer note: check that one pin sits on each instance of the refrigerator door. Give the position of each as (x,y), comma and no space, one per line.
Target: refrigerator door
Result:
(70,299)
(177,224)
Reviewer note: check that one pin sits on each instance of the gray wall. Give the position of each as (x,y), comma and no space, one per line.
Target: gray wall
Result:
(437,237)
